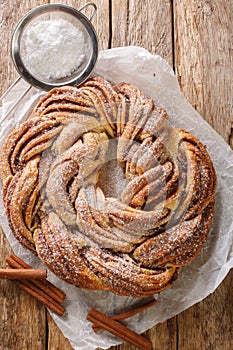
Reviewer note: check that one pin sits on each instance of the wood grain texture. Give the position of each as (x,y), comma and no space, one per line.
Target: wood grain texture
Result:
(203,33)
(143,23)
(195,36)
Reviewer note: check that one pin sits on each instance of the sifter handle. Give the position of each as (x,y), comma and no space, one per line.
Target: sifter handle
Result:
(89,4)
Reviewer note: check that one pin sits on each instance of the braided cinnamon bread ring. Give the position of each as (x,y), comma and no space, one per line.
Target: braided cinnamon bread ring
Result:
(54,168)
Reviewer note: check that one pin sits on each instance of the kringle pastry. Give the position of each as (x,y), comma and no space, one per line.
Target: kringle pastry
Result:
(57,205)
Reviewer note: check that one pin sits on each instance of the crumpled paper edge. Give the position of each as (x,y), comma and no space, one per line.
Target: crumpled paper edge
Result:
(157,80)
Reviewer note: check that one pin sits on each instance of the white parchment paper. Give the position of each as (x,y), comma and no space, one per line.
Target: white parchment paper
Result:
(196,280)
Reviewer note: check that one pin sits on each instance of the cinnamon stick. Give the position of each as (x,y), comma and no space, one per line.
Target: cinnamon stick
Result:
(15,262)
(128,314)
(31,289)
(118,329)
(23,274)
(60,294)
(42,290)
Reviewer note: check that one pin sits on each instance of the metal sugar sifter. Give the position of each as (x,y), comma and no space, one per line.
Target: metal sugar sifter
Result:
(46,13)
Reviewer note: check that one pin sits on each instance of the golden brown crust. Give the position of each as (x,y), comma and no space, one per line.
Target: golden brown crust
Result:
(133,244)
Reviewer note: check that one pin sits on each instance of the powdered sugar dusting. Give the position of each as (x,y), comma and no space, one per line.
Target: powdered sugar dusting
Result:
(54,49)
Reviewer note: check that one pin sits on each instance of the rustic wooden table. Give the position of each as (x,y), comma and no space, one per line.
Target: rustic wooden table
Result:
(195,37)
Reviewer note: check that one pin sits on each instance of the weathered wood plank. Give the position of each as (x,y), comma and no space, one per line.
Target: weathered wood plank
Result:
(203,63)
(203,58)
(143,23)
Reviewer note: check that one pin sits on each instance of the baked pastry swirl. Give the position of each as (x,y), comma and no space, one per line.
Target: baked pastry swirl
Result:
(51,167)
